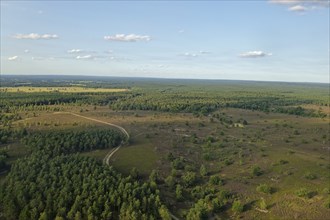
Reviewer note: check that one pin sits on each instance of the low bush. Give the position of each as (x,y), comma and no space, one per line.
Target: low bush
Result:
(264,188)
(237,206)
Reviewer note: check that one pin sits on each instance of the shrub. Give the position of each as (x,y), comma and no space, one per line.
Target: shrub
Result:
(189,167)
(199,211)
(303,192)
(208,156)
(170,157)
(215,180)
(178,164)
(310,176)
(256,171)
(189,179)
(237,206)
(203,171)
(179,192)
(264,188)
(228,162)
(326,190)
(169,181)
(263,204)
(283,162)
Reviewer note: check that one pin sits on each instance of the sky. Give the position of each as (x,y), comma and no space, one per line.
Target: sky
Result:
(266,40)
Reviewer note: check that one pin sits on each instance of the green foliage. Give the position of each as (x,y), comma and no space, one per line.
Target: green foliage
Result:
(228,162)
(310,176)
(51,183)
(65,142)
(203,170)
(256,171)
(63,185)
(164,213)
(170,156)
(178,192)
(264,188)
(169,181)
(283,162)
(167,96)
(237,206)
(189,178)
(262,204)
(134,173)
(178,163)
(303,192)
(154,176)
(216,180)
(199,192)
(199,211)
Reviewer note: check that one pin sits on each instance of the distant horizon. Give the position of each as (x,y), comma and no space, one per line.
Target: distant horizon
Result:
(270,40)
(160,78)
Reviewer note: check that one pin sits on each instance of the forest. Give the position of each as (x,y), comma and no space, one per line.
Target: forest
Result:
(196,149)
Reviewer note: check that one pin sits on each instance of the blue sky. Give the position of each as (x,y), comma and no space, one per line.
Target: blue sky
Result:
(275,40)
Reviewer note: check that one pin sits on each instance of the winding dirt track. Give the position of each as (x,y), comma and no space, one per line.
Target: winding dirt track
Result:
(106,159)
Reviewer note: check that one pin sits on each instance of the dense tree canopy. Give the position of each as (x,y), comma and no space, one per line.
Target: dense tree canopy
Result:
(52,182)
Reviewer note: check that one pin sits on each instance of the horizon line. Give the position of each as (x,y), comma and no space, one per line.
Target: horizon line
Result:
(166,78)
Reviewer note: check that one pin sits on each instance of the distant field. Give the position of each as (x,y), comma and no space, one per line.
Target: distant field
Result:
(75,89)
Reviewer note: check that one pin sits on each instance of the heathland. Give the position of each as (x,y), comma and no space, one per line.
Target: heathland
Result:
(194,149)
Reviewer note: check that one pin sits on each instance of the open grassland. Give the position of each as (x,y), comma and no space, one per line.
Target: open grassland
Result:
(71,89)
(141,154)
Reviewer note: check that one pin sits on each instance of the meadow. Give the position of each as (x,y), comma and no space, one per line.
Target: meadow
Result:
(212,149)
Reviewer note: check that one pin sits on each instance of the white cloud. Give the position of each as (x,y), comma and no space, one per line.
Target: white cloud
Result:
(80,51)
(128,38)
(324,3)
(284,2)
(254,54)
(75,51)
(302,5)
(181,31)
(85,57)
(187,54)
(26,51)
(13,58)
(34,36)
(298,8)
(40,12)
